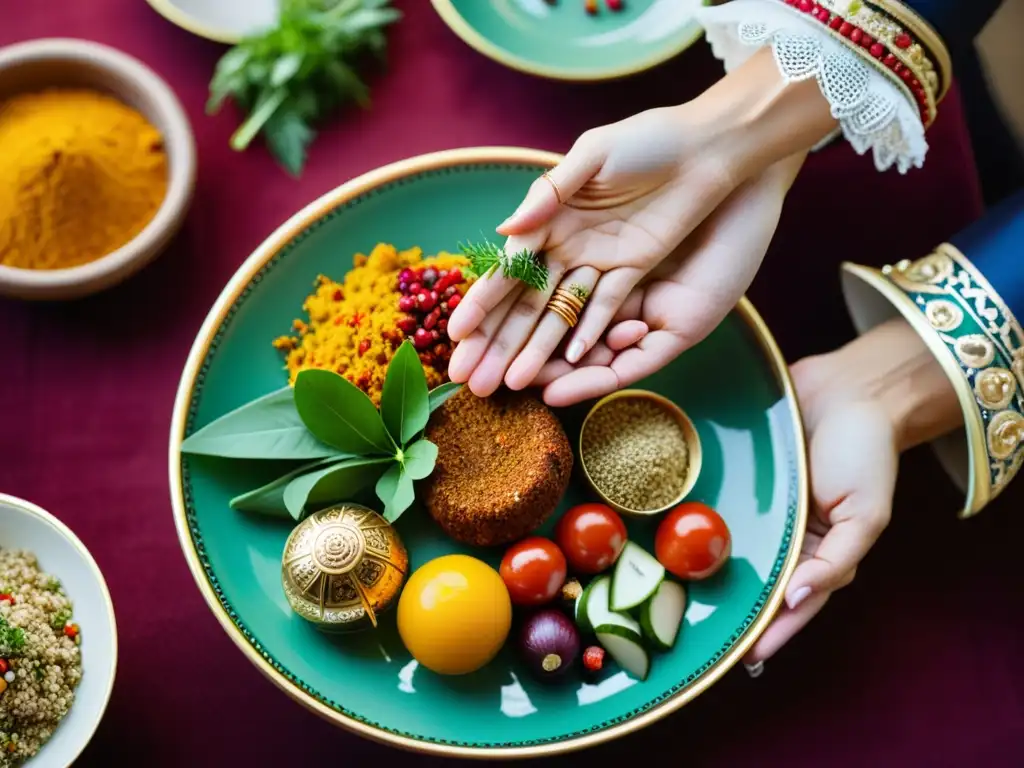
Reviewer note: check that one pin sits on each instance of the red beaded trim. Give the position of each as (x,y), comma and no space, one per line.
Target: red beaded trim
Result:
(877,49)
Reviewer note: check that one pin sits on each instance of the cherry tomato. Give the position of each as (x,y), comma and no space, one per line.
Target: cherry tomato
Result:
(592,536)
(693,541)
(533,571)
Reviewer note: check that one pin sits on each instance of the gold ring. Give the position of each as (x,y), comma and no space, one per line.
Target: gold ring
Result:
(554,186)
(565,309)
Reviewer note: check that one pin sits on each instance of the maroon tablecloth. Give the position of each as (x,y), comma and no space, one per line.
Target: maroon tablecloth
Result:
(918,663)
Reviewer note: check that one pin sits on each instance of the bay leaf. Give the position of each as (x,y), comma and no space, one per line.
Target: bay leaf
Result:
(404,403)
(420,458)
(439,394)
(338,482)
(395,489)
(340,414)
(268,427)
(269,499)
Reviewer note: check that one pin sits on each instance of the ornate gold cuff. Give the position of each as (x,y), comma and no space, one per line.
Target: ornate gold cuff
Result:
(979,344)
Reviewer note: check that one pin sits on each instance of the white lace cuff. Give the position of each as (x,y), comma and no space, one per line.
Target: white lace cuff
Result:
(873,113)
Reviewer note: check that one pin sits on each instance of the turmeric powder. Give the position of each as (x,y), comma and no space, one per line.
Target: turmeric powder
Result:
(81,174)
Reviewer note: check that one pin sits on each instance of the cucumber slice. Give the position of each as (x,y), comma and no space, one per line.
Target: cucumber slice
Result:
(661,617)
(580,615)
(594,612)
(637,576)
(627,648)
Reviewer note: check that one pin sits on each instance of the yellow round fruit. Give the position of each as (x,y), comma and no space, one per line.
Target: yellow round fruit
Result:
(454,614)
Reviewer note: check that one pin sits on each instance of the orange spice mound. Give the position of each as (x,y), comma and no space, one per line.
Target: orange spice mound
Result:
(353,325)
(503,464)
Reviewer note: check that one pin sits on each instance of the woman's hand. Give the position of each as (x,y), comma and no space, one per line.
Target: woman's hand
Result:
(681,300)
(862,405)
(625,197)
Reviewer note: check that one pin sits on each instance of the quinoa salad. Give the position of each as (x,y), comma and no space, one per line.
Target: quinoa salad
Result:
(40,659)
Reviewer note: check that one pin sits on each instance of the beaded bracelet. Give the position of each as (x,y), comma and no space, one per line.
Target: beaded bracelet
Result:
(874,33)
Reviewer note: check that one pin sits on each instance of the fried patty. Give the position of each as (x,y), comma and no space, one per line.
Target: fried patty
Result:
(503,464)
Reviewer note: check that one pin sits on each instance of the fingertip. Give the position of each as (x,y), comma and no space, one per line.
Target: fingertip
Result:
(795,595)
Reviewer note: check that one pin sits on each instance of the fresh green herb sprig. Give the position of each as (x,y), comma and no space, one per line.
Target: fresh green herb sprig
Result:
(333,426)
(296,73)
(524,266)
(12,639)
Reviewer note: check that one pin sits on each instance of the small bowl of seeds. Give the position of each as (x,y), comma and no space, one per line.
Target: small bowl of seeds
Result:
(639,452)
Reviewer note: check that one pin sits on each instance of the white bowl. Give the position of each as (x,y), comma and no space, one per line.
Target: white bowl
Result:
(225,21)
(23,525)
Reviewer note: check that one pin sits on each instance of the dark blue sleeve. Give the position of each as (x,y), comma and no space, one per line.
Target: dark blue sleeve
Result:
(995,246)
(958,22)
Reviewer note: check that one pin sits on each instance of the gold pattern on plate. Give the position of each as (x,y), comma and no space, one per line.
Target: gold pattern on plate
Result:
(342,566)
(995,388)
(944,315)
(975,350)
(1005,433)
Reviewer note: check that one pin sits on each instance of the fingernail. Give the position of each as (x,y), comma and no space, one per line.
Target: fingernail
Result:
(575,351)
(755,670)
(797,596)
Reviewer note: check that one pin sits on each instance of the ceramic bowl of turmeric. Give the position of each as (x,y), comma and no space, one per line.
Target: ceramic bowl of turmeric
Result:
(97,172)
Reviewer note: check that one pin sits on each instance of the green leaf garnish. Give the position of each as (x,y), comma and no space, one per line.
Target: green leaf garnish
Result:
(269,499)
(524,266)
(12,639)
(340,414)
(438,395)
(330,484)
(268,427)
(299,71)
(419,459)
(404,402)
(395,488)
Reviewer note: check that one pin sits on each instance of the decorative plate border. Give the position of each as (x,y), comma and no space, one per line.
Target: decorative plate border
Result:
(277,247)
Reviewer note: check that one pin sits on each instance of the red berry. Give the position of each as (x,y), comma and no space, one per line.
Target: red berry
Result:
(407,324)
(593,658)
(890,61)
(614,5)
(421,339)
(455,276)
(846,29)
(429,276)
(431,320)
(415,288)
(878,50)
(407,303)
(441,350)
(426,301)
(3,667)
(442,325)
(856,35)
(902,40)
(406,276)
(435,335)
(454,301)
(364,345)
(836,23)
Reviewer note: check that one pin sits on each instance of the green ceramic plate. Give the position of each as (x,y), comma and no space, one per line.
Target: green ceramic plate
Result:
(562,41)
(734,385)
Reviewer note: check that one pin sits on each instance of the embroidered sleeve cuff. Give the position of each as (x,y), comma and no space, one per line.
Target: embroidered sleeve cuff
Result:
(874,114)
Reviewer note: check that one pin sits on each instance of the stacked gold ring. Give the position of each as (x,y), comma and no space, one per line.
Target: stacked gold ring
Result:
(568,303)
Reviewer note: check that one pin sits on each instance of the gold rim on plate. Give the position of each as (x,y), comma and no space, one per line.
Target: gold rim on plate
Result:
(234,288)
(179,18)
(47,518)
(458,24)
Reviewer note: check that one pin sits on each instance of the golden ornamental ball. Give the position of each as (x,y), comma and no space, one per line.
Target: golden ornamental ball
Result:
(342,567)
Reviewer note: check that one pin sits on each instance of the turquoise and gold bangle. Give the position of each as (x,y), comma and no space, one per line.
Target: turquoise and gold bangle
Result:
(980,345)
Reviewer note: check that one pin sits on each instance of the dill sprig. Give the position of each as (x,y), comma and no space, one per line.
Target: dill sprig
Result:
(486,257)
